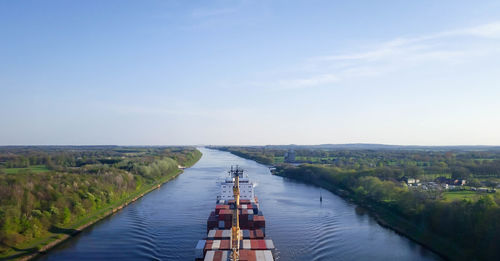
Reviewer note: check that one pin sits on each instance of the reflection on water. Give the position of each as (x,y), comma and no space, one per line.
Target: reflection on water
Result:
(167,223)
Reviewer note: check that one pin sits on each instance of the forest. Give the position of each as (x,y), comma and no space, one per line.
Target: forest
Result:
(461,228)
(478,164)
(48,191)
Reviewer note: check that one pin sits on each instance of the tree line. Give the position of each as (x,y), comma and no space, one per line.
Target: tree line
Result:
(80,182)
(471,228)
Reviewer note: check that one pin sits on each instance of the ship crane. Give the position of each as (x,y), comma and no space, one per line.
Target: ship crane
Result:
(235,229)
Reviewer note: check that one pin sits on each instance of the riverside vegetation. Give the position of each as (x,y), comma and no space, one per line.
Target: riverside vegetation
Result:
(49,192)
(459,225)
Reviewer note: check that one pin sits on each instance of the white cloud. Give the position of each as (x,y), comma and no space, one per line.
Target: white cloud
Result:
(451,47)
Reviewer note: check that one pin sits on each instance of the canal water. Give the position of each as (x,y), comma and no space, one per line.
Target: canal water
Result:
(167,223)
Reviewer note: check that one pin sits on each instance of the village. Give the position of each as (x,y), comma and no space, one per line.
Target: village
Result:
(444,183)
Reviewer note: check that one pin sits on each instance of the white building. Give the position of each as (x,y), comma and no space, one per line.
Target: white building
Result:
(226,189)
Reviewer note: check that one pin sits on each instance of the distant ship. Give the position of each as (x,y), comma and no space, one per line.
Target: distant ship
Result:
(236,230)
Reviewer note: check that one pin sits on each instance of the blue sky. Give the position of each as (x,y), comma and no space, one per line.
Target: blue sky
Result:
(249,72)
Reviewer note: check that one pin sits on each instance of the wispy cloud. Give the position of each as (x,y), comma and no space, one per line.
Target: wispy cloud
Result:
(490,30)
(203,13)
(181,110)
(451,47)
(308,82)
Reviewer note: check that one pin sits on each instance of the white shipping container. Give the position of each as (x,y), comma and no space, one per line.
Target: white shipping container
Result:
(268,255)
(209,256)
(211,233)
(226,233)
(259,255)
(224,256)
(250,212)
(269,244)
(243,206)
(247,244)
(216,244)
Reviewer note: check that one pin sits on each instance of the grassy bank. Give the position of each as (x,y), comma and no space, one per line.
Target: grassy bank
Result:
(389,219)
(57,234)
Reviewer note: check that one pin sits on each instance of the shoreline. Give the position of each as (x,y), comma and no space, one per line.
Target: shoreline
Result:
(107,212)
(380,215)
(46,248)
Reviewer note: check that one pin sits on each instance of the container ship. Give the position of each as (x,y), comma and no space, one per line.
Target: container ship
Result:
(236,229)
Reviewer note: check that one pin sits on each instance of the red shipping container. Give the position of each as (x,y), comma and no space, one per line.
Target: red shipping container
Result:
(254,244)
(208,246)
(217,256)
(225,245)
(244,255)
(262,244)
(259,234)
(218,208)
(251,256)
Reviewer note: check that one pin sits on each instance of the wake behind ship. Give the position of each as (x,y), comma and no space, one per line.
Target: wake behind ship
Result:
(236,229)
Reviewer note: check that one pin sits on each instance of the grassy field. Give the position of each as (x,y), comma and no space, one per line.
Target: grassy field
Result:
(280,159)
(461,195)
(34,169)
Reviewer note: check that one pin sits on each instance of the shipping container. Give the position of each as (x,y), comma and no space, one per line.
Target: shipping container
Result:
(269,244)
(247,244)
(225,245)
(253,245)
(209,256)
(216,244)
(259,233)
(226,233)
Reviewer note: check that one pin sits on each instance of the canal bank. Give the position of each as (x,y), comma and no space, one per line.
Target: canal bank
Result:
(51,242)
(388,219)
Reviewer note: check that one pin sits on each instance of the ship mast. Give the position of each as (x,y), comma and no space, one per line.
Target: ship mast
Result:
(235,236)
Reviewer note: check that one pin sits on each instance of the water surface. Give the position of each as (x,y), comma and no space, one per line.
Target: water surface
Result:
(167,223)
